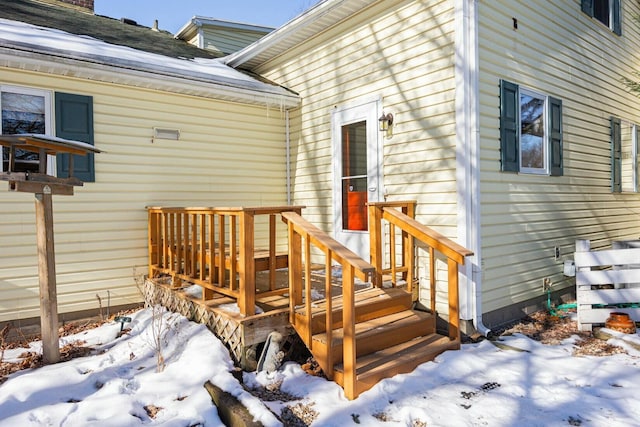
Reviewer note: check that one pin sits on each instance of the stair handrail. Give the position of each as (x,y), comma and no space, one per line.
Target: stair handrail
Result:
(352,266)
(413,230)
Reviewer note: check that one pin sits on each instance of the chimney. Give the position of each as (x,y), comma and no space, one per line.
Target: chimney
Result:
(82,5)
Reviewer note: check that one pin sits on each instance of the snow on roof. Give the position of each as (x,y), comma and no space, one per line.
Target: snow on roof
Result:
(56,43)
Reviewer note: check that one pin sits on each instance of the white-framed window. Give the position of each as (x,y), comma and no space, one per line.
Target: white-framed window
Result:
(608,12)
(534,157)
(530,131)
(25,110)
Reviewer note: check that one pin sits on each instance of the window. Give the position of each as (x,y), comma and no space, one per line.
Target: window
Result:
(354,176)
(606,11)
(624,156)
(27,110)
(530,131)
(24,111)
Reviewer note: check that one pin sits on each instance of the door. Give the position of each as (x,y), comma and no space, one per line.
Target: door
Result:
(357,166)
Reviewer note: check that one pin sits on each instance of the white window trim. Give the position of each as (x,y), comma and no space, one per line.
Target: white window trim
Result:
(534,171)
(634,156)
(48,116)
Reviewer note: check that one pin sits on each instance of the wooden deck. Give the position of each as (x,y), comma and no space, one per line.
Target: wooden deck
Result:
(356,318)
(219,249)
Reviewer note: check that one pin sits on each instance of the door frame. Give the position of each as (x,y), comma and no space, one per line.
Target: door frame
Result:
(368,109)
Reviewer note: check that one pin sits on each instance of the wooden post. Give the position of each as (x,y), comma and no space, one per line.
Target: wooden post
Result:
(154,242)
(247,287)
(47,276)
(349,333)
(44,187)
(295,269)
(375,242)
(409,251)
(454,301)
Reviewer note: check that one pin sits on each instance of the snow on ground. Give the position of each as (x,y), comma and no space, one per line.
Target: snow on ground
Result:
(522,383)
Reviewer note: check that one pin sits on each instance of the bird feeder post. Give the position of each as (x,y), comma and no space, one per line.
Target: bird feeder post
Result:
(44,187)
(47,276)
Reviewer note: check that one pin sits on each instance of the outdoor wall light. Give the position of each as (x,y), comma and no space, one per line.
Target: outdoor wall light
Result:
(159,133)
(385,122)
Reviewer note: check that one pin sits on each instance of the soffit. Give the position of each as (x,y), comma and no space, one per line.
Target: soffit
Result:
(314,21)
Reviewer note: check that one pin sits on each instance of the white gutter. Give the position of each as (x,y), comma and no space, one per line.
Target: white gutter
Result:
(133,74)
(468,159)
(288,155)
(304,20)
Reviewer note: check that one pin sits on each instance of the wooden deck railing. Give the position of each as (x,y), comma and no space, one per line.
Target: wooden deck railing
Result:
(303,239)
(217,248)
(400,262)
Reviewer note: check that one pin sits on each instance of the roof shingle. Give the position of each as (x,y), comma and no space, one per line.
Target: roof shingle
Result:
(101,27)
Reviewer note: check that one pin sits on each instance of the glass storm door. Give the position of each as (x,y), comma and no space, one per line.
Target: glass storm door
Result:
(357,168)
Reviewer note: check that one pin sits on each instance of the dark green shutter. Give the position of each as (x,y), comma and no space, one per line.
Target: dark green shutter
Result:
(616,24)
(555,136)
(74,120)
(509,132)
(616,155)
(587,7)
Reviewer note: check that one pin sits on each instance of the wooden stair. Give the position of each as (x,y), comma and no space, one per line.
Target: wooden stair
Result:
(370,304)
(399,359)
(391,337)
(364,336)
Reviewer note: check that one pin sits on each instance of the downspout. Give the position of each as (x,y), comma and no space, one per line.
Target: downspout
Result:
(468,157)
(288,155)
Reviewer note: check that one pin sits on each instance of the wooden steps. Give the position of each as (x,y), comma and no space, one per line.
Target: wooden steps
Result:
(390,336)
(378,333)
(399,359)
(374,335)
(370,303)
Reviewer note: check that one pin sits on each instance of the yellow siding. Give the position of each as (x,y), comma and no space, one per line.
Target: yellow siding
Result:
(561,52)
(228,155)
(401,51)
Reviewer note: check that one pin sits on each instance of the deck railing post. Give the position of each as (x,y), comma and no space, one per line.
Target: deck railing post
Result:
(272,252)
(164,239)
(328,309)
(409,250)
(222,245)
(375,242)
(171,241)
(247,287)
(179,249)
(348,324)
(454,317)
(154,249)
(295,270)
(432,279)
(203,247)
(211,245)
